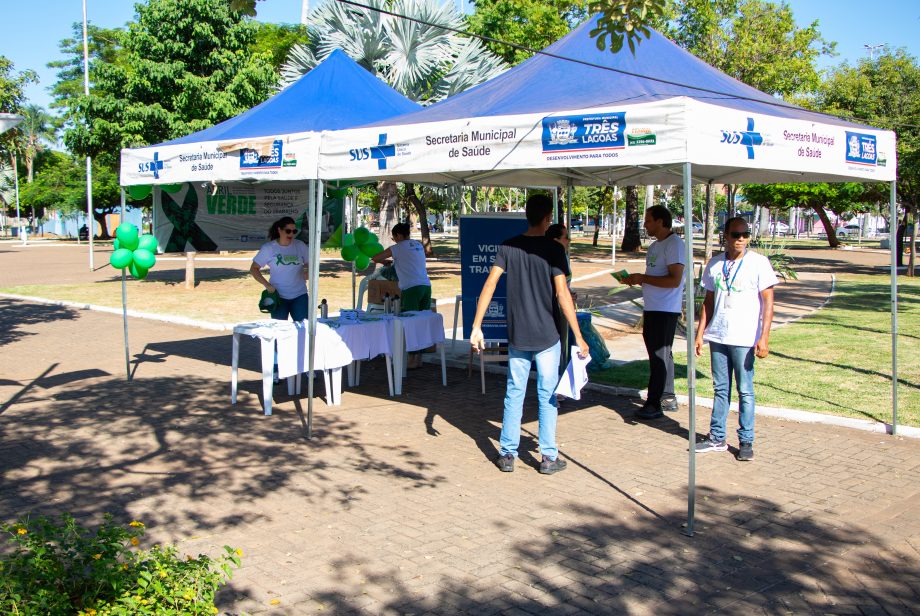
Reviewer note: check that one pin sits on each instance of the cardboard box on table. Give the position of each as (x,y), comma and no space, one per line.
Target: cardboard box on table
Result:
(377,289)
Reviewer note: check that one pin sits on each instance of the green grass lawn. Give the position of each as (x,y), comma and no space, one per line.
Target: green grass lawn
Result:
(837,360)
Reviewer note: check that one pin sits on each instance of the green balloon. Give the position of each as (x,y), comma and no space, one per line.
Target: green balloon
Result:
(372,249)
(121,258)
(361,236)
(362,261)
(136,193)
(116,244)
(144,258)
(172,188)
(147,242)
(127,236)
(350,252)
(137,271)
(373,239)
(348,240)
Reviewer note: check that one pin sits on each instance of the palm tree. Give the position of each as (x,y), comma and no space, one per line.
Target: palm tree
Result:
(36,129)
(426,63)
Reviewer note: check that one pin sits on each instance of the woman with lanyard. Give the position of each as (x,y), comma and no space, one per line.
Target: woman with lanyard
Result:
(287,260)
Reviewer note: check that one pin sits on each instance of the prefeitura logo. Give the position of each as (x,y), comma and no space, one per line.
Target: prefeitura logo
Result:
(861,149)
(603,131)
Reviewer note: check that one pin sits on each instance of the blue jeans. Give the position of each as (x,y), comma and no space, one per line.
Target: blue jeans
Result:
(519,363)
(296,307)
(729,361)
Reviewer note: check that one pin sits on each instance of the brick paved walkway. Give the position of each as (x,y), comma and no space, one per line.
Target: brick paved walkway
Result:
(395,508)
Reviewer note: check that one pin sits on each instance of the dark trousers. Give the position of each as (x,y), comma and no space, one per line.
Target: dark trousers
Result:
(658,333)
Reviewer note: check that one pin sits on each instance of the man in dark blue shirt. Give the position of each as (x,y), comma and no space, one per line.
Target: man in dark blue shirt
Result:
(537,270)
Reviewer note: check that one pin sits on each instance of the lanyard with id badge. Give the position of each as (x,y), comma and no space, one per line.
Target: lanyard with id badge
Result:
(726,272)
(719,325)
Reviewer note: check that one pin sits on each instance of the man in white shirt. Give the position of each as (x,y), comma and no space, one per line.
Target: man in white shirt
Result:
(662,295)
(735,321)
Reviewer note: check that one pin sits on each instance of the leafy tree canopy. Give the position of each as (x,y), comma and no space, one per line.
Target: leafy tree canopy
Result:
(883,92)
(182,66)
(530,23)
(754,41)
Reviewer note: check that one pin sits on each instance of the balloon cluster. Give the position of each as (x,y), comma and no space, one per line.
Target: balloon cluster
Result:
(136,252)
(359,247)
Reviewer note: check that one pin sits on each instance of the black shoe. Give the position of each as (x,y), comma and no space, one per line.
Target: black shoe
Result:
(745,452)
(548,466)
(669,404)
(505,463)
(649,412)
(711,444)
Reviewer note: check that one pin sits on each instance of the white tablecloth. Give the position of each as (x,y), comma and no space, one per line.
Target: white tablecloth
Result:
(293,345)
(422,329)
(367,338)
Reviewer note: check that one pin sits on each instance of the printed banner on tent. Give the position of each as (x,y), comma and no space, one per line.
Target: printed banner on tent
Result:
(265,158)
(482,235)
(730,137)
(234,216)
(626,135)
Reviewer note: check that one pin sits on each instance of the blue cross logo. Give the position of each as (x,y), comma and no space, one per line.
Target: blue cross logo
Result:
(748,138)
(381,152)
(156,165)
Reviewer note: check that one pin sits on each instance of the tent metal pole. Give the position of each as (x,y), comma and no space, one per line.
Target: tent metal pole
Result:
(894,310)
(568,207)
(352,225)
(689,294)
(124,297)
(315,209)
(613,229)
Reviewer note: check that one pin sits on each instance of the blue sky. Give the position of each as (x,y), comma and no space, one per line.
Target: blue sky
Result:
(31,30)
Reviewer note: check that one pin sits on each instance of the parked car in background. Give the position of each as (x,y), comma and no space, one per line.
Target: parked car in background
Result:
(848,231)
(778,227)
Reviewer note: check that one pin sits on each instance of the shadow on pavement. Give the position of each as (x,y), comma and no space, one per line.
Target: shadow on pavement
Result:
(98,446)
(17,316)
(757,558)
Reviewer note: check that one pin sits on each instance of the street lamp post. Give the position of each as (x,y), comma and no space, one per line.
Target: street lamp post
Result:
(89,162)
(871,49)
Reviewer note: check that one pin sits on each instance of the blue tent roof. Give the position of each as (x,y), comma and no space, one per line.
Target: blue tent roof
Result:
(576,76)
(337,94)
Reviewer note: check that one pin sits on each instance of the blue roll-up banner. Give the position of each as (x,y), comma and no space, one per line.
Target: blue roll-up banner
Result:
(480,237)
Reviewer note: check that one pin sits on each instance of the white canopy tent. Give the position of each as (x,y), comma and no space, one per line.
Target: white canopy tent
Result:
(275,142)
(576,115)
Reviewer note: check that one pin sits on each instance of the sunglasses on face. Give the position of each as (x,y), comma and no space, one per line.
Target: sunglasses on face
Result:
(291,231)
(740,234)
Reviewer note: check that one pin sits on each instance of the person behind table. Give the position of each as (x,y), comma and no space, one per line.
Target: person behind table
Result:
(287,260)
(735,321)
(662,298)
(536,268)
(411,268)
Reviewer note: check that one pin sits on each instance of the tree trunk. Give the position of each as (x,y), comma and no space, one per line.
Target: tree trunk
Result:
(389,204)
(99,217)
(828,226)
(422,212)
(730,191)
(709,223)
(631,240)
(30,168)
(605,193)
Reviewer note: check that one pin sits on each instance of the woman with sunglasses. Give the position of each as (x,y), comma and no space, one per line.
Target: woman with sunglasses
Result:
(287,259)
